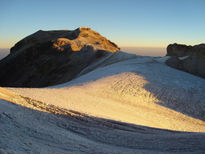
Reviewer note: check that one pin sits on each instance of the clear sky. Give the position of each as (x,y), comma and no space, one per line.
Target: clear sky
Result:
(126,22)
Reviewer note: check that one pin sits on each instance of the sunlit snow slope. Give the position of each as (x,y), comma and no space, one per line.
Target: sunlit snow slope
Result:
(133,89)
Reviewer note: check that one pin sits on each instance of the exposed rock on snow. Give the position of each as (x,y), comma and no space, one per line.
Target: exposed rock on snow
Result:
(51,57)
(187,58)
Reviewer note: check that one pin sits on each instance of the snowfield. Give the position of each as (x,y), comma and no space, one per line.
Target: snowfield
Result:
(131,95)
(25,130)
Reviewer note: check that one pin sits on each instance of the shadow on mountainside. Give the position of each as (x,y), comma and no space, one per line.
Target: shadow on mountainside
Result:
(60,130)
(177,90)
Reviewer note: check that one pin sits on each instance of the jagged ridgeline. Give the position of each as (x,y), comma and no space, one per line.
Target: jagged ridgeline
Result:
(48,58)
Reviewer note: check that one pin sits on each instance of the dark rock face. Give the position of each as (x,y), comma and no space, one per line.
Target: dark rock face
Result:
(187,58)
(48,58)
(178,50)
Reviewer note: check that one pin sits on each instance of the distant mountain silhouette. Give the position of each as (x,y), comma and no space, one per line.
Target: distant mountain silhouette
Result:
(51,57)
(3,53)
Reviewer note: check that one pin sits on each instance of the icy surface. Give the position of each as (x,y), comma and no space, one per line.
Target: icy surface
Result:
(162,59)
(113,106)
(24,130)
(137,90)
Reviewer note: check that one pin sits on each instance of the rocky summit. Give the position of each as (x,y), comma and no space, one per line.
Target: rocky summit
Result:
(48,58)
(187,58)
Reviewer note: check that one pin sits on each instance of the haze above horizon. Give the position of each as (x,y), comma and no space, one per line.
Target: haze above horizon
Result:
(127,23)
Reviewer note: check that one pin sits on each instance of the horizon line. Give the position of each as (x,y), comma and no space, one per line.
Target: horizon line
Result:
(142,47)
(119,46)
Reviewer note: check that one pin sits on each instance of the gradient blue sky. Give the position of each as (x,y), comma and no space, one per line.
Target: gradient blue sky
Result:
(126,22)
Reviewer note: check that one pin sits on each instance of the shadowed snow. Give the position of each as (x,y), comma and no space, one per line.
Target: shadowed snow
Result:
(135,89)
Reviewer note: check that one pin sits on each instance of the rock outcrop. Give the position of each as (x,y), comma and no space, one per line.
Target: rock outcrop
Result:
(187,58)
(47,58)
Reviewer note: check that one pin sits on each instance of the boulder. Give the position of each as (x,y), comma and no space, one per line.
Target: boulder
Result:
(48,58)
(187,58)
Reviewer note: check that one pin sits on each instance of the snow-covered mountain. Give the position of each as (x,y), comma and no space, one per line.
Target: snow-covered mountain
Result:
(114,106)
(133,89)
(118,103)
